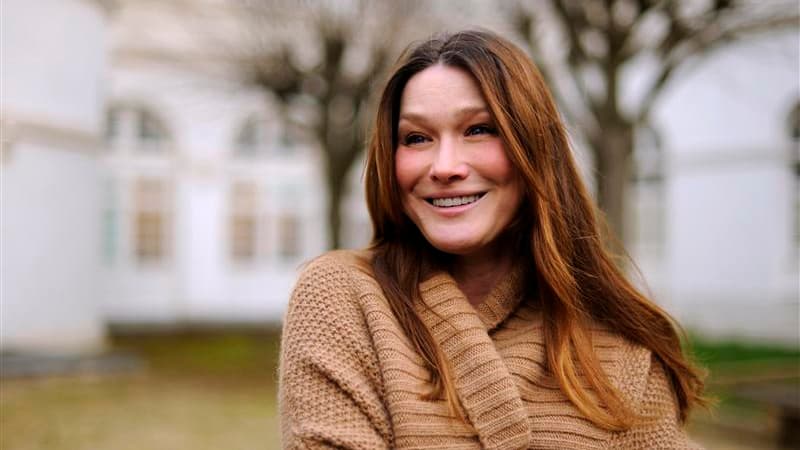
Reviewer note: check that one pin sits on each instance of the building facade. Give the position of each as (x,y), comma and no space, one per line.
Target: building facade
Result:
(53,94)
(139,188)
(210,207)
(732,191)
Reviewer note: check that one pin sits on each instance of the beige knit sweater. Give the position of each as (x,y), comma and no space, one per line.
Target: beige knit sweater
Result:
(350,378)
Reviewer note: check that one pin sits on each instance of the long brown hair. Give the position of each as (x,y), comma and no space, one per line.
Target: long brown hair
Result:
(574,276)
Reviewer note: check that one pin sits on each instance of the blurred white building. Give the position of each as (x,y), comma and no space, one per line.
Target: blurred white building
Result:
(195,206)
(727,234)
(54,82)
(210,206)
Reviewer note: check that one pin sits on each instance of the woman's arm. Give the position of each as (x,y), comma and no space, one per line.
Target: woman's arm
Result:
(660,427)
(330,382)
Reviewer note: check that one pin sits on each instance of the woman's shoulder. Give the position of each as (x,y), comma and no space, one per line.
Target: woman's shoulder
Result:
(628,363)
(335,280)
(358,259)
(336,267)
(641,377)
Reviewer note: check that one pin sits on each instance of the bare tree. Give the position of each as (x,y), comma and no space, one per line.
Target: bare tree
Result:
(599,39)
(322,58)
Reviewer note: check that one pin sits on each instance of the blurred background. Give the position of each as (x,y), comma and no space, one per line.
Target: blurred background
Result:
(167,166)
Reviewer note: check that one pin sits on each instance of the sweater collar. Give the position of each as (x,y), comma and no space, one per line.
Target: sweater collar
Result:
(501,301)
(487,391)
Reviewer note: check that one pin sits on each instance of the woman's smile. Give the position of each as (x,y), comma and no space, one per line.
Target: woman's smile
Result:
(455,200)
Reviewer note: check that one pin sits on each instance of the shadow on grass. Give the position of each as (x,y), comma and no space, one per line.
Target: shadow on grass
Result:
(220,354)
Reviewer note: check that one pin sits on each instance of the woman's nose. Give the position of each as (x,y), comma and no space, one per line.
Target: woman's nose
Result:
(448,165)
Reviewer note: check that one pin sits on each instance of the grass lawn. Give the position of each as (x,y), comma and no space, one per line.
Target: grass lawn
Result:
(217,391)
(197,392)
(734,422)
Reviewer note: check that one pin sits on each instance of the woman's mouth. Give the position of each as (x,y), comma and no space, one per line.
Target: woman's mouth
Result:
(450,202)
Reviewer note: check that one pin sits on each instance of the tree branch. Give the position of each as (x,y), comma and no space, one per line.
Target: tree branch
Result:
(702,43)
(573,24)
(525,23)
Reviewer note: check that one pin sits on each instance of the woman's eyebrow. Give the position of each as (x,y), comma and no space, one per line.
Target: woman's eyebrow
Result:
(461,113)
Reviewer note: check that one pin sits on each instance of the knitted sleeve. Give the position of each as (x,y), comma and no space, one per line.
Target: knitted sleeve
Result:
(330,388)
(660,427)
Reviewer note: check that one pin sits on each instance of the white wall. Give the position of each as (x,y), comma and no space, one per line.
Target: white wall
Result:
(51,106)
(732,264)
(54,57)
(50,250)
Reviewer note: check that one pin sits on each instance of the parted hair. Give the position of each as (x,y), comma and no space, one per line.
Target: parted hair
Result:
(556,235)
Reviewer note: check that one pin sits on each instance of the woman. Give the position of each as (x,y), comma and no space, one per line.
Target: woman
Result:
(486,312)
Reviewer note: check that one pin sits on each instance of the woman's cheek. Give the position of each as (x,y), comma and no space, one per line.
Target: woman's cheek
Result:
(409,167)
(495,163)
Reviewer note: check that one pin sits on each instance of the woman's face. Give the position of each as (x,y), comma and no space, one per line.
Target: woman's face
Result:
(456,181)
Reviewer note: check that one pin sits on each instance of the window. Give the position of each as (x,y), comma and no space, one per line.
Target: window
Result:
(794,133)
(648,202)
(244,224)
(150,220)
(112,124)
(150,132)
(649,227)
(135,127)
(289,227)
(137,210)
(250,139)
(794,122)
(260,137)
(110,222)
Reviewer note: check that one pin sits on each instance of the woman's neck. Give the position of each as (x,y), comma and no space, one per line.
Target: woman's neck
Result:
(476,275)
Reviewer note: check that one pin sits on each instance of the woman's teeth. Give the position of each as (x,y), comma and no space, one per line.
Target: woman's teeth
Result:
(454,201)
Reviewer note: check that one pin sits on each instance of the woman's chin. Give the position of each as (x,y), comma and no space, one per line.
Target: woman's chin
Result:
(455,247)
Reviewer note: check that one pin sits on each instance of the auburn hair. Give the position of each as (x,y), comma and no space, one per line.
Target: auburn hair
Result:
(568,267)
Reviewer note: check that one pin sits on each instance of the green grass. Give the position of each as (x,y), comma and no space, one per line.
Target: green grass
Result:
(735,422)
(732,362)
(196,391)
(713,353)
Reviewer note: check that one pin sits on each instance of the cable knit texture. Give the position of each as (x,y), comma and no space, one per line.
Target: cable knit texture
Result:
(350,378)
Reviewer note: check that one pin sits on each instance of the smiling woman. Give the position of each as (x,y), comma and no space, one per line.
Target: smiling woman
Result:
(487,312)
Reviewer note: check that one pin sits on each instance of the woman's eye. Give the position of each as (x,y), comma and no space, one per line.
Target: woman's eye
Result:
(413,139)
(476,130)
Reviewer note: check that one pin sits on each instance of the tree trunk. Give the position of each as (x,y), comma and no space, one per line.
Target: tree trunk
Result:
(335,191)
(613,150)
(338,162)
